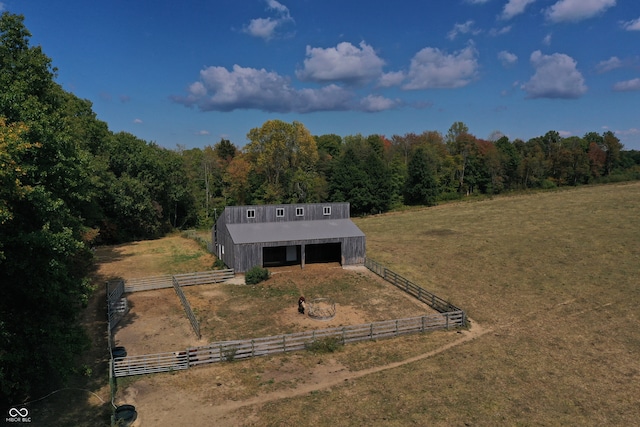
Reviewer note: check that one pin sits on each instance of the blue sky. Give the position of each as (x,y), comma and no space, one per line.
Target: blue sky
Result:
(191,72)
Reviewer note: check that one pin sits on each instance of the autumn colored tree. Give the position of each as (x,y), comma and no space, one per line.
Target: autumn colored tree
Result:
(286,155)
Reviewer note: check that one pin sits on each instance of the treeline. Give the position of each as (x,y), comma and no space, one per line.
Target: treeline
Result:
(68,183)
(283,163)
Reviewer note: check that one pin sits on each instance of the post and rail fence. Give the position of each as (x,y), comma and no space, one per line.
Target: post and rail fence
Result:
(187,308)
(432,300)
(448,316)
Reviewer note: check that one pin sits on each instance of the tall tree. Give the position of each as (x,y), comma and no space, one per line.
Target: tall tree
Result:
(286,155)
(612,146)
(421,186)
(44,257)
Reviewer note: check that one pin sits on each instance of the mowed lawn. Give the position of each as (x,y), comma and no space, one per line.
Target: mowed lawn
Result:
(554,276)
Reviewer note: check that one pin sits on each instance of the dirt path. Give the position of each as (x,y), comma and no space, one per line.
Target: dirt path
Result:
(158,408)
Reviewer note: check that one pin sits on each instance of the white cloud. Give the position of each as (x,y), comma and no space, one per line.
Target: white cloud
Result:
(374,103)
(262,27)
(203,133)
(608,65)
(2,6)
(627,132)
(279,7)
(137,121)
(499,31)
(547,39)
(432,68)
(556,76)
(627,85)
(393,78)
(344,63)
(220,89)
(507,58)
(266,27)
(577,10)
(633,25)
(514,8)
(466,28)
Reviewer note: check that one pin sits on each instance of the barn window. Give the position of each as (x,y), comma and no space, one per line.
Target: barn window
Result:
(299,211)
(326,210)
(279,212)
(251,213)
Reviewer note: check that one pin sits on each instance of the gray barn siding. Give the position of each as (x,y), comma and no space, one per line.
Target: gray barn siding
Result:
(267,213)
(242,257)
(249,255)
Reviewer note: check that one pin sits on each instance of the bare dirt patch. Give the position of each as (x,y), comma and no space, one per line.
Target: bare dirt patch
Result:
(157,323)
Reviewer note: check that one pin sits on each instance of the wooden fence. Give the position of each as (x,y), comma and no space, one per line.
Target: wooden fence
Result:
(116,304)
(205,243)
(412,289)
(242,349)
(187,308)
(449,316)
(186,279)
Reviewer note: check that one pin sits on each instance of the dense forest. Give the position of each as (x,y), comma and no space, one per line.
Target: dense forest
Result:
(68,183)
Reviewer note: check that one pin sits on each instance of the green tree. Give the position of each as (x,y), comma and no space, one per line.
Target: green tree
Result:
(44,258)
(612,146)
(421,186)
(330,144)
(286,155)
(225,150)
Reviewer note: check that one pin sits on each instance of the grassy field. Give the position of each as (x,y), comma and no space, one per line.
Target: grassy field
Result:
(556,278)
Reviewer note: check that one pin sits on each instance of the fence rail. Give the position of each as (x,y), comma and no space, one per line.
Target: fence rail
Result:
(412,289)
(242,349)
(187,308)
(186,279)
(116,304)
(205,242)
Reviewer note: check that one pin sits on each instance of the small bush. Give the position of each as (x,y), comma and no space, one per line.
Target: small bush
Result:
(229,354)
(256,275)
(219,264)
(324,345)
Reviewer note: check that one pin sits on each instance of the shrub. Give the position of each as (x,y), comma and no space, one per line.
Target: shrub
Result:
(324,345)
(256,275)
(229,354)
(219,264)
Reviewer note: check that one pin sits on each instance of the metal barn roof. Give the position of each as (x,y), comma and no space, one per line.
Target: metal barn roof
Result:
(265,232)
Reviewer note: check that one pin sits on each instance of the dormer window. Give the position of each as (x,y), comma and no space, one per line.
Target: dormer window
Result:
(299,211)
(251,213)
(326,210)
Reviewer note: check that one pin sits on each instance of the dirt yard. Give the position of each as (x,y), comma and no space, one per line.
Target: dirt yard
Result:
(157,323)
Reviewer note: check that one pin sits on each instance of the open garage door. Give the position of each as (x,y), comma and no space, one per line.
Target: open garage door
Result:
(281,255)
(323,252)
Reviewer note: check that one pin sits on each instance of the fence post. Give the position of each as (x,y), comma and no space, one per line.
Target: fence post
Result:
(446,316)
(422,323)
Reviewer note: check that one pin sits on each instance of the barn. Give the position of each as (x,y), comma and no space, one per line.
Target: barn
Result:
(290,234)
